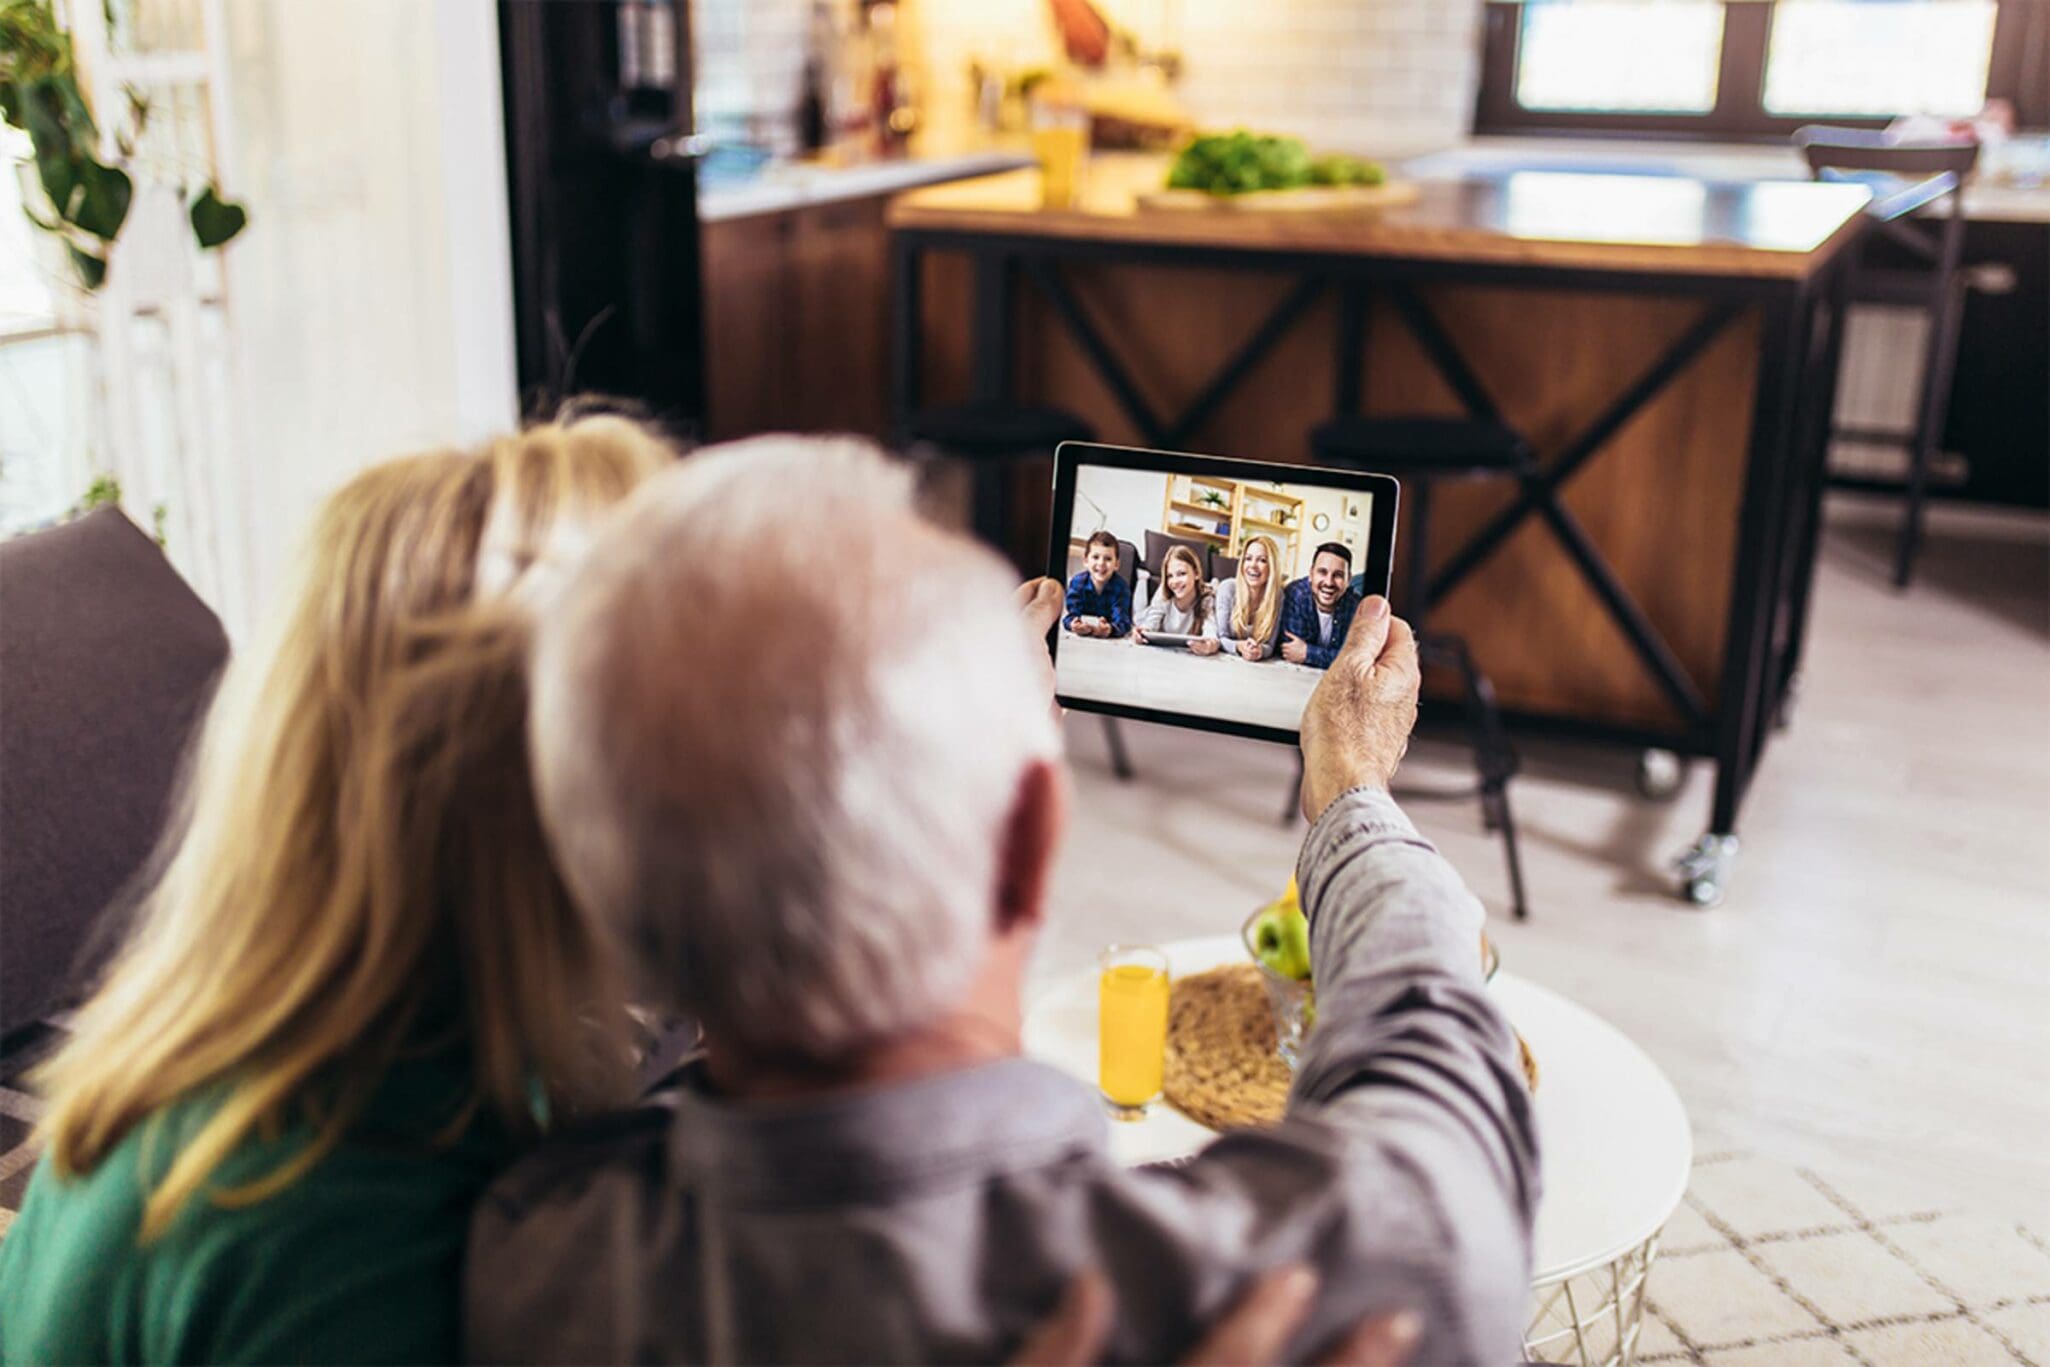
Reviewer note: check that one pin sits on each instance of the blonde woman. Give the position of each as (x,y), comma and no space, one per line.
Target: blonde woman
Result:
(1183,605)
(357,986)
(1249,603)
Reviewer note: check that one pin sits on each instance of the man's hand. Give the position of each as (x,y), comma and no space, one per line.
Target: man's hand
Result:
(1040,601)
(1357,725)
(1294,649)
(1255,1331)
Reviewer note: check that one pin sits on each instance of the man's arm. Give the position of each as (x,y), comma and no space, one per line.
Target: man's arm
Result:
(1293,613)
(1406,1170)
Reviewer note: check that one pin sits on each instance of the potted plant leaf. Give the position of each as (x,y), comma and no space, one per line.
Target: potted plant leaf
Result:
(86,199)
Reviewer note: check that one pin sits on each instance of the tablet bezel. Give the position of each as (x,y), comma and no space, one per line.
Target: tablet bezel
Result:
(1377,563)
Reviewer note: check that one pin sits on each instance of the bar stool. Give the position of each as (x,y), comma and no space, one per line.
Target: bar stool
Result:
(1421,451)
(1934,284)
(993,438)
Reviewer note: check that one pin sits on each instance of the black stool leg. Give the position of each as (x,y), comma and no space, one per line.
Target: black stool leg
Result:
(1293,801)
(1929,417)
(1494,758)
(1120,762)
(1507,825)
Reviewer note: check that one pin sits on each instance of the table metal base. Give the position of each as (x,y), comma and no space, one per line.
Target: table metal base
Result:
(1596,1318)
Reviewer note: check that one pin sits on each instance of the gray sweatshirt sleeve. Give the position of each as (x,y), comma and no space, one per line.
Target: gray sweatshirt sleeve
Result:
(1407,1167)
(1411,1054)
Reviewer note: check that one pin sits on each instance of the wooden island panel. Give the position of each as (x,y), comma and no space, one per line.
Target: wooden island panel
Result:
(1661,499)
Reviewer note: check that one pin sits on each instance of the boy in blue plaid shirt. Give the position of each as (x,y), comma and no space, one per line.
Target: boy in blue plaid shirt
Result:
(1099,599)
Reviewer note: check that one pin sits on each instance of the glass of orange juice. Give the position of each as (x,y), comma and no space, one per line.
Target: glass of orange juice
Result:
(1060,143)
(1131,1027)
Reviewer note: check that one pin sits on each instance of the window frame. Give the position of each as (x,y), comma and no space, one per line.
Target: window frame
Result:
(1739,114)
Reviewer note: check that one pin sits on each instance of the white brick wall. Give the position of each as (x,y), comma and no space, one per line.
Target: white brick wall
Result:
(1378,77)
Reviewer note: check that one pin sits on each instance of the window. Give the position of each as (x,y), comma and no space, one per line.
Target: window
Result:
(1619,55)
(1878,57)
(1745,68)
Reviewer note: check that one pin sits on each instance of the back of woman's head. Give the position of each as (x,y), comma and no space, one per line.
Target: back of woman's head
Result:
(358,873)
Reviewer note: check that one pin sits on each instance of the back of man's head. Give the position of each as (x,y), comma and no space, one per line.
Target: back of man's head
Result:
(779,723)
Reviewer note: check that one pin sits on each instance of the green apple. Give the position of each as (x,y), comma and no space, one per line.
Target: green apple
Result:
(1282,940)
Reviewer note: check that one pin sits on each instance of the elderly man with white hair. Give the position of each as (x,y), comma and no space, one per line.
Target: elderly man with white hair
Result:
(792,743)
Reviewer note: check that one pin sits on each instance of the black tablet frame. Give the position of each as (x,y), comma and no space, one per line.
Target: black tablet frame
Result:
(1377,564)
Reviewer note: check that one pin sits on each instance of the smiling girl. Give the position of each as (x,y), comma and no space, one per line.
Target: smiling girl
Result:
(1182,606)
(1249,605)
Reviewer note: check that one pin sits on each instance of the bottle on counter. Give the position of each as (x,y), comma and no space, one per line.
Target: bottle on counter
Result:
(815,99)
(893,117)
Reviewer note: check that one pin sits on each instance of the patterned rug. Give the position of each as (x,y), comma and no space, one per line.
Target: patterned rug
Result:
(1764,1265)
(1767,1264)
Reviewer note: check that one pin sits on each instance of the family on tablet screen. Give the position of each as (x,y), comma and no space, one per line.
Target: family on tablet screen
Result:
(1249,614)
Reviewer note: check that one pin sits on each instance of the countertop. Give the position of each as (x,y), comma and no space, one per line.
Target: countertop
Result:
(1561,219)
(1989,196)
(797,186)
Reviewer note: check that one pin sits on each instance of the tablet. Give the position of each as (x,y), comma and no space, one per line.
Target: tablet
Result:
(1277,557)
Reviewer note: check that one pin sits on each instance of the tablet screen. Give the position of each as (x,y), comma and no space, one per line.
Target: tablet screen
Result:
(1244,575)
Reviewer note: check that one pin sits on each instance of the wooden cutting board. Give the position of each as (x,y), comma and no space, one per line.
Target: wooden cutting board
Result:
(1311,199)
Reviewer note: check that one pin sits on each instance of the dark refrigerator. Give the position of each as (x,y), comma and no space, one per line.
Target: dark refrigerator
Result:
(602,187)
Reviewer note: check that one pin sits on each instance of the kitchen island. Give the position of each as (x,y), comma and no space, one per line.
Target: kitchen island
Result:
(1661,343)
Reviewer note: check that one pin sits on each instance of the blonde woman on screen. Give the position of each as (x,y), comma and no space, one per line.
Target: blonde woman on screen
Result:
(1249,603)
(357,986)
(1183,605)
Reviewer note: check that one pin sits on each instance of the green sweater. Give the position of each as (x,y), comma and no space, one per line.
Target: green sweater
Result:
(358,1261)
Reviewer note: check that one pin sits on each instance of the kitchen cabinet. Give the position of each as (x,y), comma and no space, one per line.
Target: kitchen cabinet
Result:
(796,320)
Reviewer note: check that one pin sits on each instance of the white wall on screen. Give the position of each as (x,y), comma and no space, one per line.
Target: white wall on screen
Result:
(1130,500)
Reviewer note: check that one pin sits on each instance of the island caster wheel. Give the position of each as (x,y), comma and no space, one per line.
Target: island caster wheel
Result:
(1660,774)
(1705,869)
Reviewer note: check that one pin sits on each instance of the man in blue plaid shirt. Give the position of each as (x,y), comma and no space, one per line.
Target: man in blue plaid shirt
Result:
(1316,611)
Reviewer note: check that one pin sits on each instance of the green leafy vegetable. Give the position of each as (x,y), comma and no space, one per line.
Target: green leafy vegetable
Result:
(1239,163)
(1336,168)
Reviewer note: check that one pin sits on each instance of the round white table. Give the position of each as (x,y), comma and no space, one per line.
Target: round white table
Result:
(1616,1148)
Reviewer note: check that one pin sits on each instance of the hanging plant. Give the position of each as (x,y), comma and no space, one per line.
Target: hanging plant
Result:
(88,198)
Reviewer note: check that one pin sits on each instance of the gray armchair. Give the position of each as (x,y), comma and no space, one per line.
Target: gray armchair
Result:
(107,659)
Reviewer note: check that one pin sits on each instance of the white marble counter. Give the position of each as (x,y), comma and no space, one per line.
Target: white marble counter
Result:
(782,188)
(1986,198)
